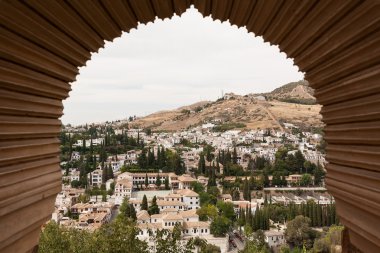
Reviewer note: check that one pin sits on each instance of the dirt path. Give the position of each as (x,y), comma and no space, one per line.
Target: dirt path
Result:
(272,117)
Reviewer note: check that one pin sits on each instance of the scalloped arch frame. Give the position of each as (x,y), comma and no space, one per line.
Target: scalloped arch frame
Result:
(43,43)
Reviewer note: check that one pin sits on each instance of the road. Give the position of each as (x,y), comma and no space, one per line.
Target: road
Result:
(240,245)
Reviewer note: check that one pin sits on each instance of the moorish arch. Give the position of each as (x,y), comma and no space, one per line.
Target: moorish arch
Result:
(336,43)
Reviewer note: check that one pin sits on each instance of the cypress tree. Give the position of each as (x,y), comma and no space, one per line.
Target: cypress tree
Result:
(84,146)
(234,156)
(163,157)
(151,158)
(211,179)
(167,183)
(104,175)
(144,204)
(91,147)
(142,160)
(319,214)
(133,212)
(153,209)
(315,219)
(159,164)
(110,173)
(228,157)
(202,164)
(146,180)
(158,180)
(208,155)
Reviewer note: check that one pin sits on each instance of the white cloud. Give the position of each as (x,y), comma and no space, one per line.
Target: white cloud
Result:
(173,63)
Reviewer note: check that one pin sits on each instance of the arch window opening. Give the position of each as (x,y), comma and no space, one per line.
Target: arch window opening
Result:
(246,139)
(262,145)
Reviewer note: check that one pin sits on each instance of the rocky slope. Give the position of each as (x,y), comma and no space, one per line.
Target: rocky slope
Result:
(291,103)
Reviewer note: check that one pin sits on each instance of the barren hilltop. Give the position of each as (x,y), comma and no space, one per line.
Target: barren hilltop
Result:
(291,103)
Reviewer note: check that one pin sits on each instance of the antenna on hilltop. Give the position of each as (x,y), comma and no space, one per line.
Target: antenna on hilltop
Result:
(222,94)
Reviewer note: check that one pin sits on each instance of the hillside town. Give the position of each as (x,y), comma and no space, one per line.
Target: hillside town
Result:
(194,179)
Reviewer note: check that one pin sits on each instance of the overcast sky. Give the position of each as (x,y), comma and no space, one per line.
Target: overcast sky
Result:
(172,63)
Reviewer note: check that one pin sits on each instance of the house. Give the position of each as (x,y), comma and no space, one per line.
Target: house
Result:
(274,238)
(185,181)
(95,178)
(168,219)
(190,198)
(123,188)
(74,175)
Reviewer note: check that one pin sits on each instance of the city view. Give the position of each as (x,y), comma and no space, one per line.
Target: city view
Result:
(189,126)
(214,186)
(241,173)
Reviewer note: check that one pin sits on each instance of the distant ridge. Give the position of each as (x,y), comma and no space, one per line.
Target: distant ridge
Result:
(292,103)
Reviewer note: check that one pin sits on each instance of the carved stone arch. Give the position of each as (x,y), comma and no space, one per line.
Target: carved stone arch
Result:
(336,43)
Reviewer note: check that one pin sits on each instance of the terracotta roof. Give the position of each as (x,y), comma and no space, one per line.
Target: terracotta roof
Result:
(172,216)
(169,203)
(196,224)
(149,225)
(143,215)
(188,213)
(157,216)
(167,210)
(187,193)
(186,178)
(173,195)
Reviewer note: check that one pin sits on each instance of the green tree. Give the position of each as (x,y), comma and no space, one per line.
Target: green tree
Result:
(300,160)
(144,204)
(220,226)
(202,164)
(146,180)
(212,178)
(197,187)
(234,156)
(210,248)
(127,210)
(153,209)
(170,242)
(167,187)
(319,174)
(119,236)
(299,233)
(158,180)
(226,209)
(199,243)
(52,240)
(142,159)
(207,212)
(306,180)
(75,184)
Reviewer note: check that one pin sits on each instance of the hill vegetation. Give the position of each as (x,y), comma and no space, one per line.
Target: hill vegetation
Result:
(291,103)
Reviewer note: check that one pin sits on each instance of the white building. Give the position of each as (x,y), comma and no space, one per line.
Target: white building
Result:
(168,219)
(123,188)
(274,238)
(95,177)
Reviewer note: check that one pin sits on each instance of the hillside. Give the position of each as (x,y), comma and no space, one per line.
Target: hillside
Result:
(295,92)
(251,110)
